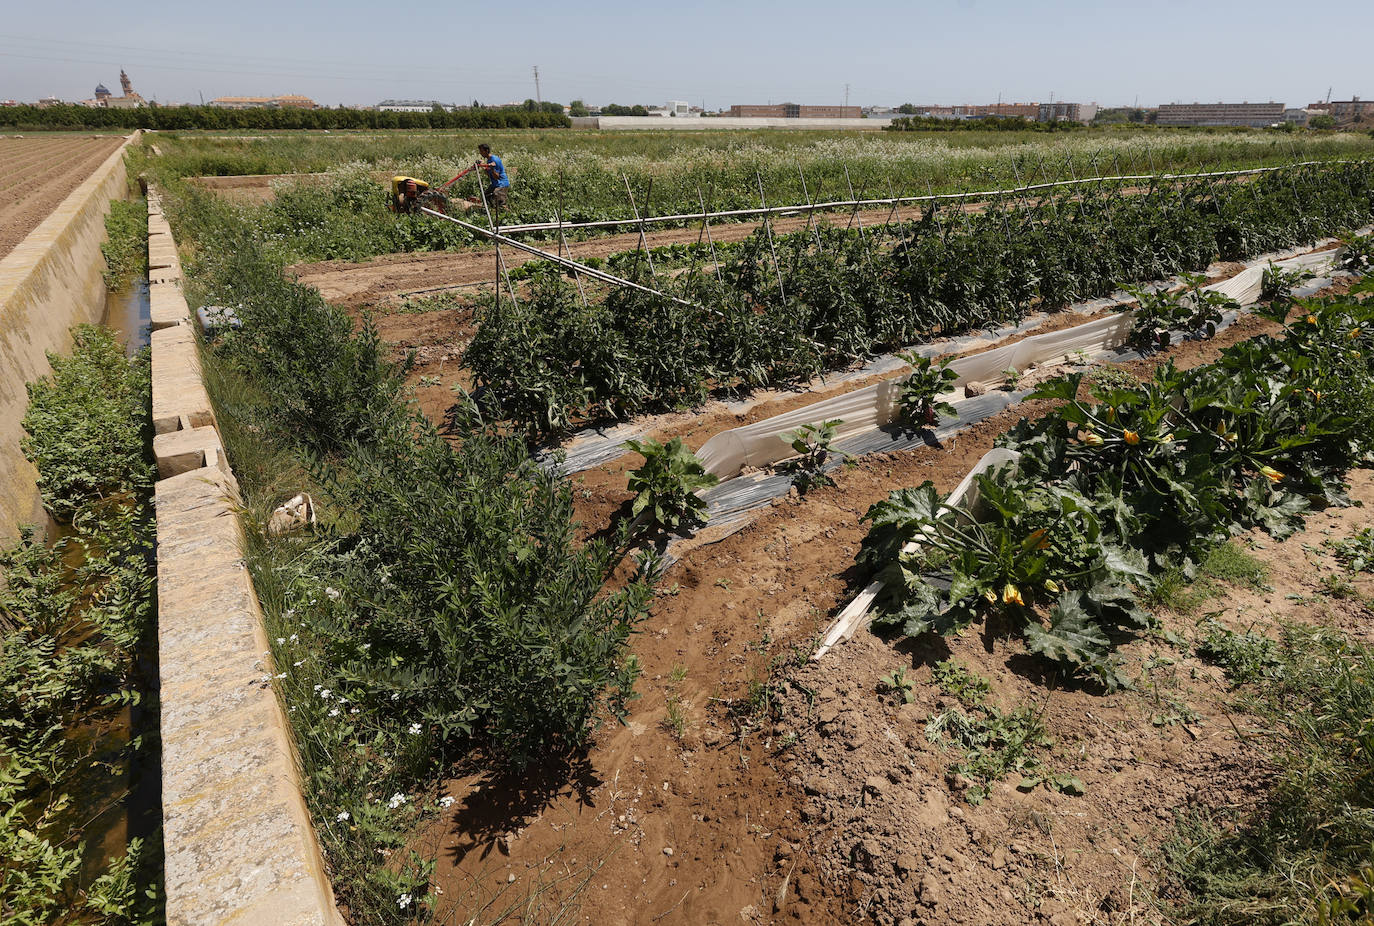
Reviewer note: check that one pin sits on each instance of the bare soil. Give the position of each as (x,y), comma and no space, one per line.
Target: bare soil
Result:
(751,786)
(37,173)
(252,189)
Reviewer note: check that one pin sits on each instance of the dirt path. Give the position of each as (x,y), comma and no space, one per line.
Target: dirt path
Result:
(722,787)
(37,173)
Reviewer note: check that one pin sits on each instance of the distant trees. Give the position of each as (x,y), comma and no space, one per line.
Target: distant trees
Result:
(615,109)
(1324,121)
(172,118)
(578,108)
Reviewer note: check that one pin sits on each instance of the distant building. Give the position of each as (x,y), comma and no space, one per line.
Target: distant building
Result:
(1346,110)
(1255,115)
(285,101)
(413,106)
(46,101)
(104,99)
(794,111)
(1066,112)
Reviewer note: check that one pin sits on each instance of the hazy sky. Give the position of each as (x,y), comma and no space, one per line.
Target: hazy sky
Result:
(713,52)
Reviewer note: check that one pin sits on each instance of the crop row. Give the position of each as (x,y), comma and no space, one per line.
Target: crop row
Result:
(583,177)
(1116,486)
(782,311)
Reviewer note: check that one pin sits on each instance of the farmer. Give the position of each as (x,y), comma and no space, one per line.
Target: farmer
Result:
(498,184)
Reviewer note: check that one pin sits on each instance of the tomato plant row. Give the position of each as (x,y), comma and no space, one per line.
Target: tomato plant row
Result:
(1116,485)
(779,311)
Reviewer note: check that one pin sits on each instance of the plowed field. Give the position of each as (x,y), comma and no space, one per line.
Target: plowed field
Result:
(37,173)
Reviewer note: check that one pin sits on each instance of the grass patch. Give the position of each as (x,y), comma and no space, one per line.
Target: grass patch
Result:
(1306,854)
(1184,590)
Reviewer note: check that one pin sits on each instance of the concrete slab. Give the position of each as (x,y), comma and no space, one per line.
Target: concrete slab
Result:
(239,845)
(167,306)
(183,450)
(179,397)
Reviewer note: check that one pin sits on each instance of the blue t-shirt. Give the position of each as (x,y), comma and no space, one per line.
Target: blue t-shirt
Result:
(497,174)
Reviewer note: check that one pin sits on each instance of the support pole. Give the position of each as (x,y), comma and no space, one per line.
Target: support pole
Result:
(768,230)
(561,261)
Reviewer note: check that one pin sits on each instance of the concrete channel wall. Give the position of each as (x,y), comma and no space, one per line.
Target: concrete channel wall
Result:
(51,281)
(238,842)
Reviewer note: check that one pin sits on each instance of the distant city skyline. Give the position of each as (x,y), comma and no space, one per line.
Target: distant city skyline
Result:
(715,55)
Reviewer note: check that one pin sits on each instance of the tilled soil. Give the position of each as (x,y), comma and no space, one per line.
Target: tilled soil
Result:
(751,786)
(37,173)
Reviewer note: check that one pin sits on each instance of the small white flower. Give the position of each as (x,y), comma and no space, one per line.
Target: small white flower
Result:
(397,800)
(414,729)
(325,693)
(334,712)
(367,646)
(403,901)
(281,640)
(395,696)
(298,663)
(446,801)
(334,595)
(281,675)
(353,711)
(289,613)
(343,815)
(295,638)
(318,687)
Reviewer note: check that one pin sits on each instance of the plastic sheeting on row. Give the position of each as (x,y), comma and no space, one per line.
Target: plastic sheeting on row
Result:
(596,446)
(762,443)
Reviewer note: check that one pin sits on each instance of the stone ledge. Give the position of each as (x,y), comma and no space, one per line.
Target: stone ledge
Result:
(179,398)
(186,449)
(166,305)
(238,841)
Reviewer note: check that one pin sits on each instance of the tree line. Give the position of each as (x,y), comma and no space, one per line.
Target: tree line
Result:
(73,116)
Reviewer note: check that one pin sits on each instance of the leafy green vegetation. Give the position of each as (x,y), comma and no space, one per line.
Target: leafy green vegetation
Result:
(811,443)
(126,241)
(666,485)
(832,296)
(1305,854)
(1106,493)
(995,743)
(440,615)
(916,405)
(1356,552)
(88,425)
(74,615)
(1186,588)
(1194,311)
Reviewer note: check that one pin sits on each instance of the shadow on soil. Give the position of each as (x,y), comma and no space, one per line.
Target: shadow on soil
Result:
(497,804)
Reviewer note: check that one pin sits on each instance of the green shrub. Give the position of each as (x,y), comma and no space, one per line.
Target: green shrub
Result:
(89,431)
(666,485)
(126,241)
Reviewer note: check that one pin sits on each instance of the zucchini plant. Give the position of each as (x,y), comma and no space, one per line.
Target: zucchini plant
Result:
(1111,489)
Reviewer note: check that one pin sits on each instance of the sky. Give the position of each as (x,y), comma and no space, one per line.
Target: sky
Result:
(712,53)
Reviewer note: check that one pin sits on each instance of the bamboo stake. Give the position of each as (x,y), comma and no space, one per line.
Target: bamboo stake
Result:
(768,230)
(563,242)
(561,261)
(706,227)
(500,260)
(643,239)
